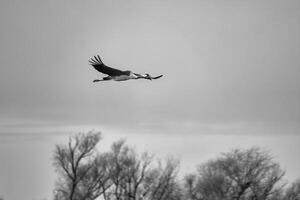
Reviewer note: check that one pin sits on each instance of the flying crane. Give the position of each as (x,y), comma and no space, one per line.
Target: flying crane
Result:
(116,74)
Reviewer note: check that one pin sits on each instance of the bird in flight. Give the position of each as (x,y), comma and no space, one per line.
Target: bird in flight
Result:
(116,74)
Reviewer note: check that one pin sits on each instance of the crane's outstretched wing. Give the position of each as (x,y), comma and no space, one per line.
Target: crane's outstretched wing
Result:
(100,67)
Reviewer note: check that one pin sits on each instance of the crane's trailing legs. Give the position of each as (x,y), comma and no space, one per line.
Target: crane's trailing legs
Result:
(103,79)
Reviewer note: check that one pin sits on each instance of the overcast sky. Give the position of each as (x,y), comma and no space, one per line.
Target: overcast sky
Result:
(231,79)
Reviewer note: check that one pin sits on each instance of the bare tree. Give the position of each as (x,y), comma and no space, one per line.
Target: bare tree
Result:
(239,174)
(97,179)
(293,191)
(165,184)
(75,165)
(136,177)
(127,172)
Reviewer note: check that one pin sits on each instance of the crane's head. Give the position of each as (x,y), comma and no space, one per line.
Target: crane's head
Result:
(147,76)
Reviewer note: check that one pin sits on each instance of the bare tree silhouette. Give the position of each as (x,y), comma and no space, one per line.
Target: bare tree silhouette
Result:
(75,165)
(240,174)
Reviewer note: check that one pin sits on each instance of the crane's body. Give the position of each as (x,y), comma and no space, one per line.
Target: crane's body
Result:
(116,74)
(125,77)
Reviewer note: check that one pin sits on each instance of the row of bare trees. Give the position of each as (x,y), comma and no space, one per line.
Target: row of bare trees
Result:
(123,174)
(119,174)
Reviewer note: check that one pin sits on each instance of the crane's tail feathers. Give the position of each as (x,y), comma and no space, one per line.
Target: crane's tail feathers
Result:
(96,60)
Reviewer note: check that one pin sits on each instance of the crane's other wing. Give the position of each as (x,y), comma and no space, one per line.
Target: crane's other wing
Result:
(97,63)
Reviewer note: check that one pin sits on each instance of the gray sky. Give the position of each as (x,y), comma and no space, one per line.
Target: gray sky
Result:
(231,80)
